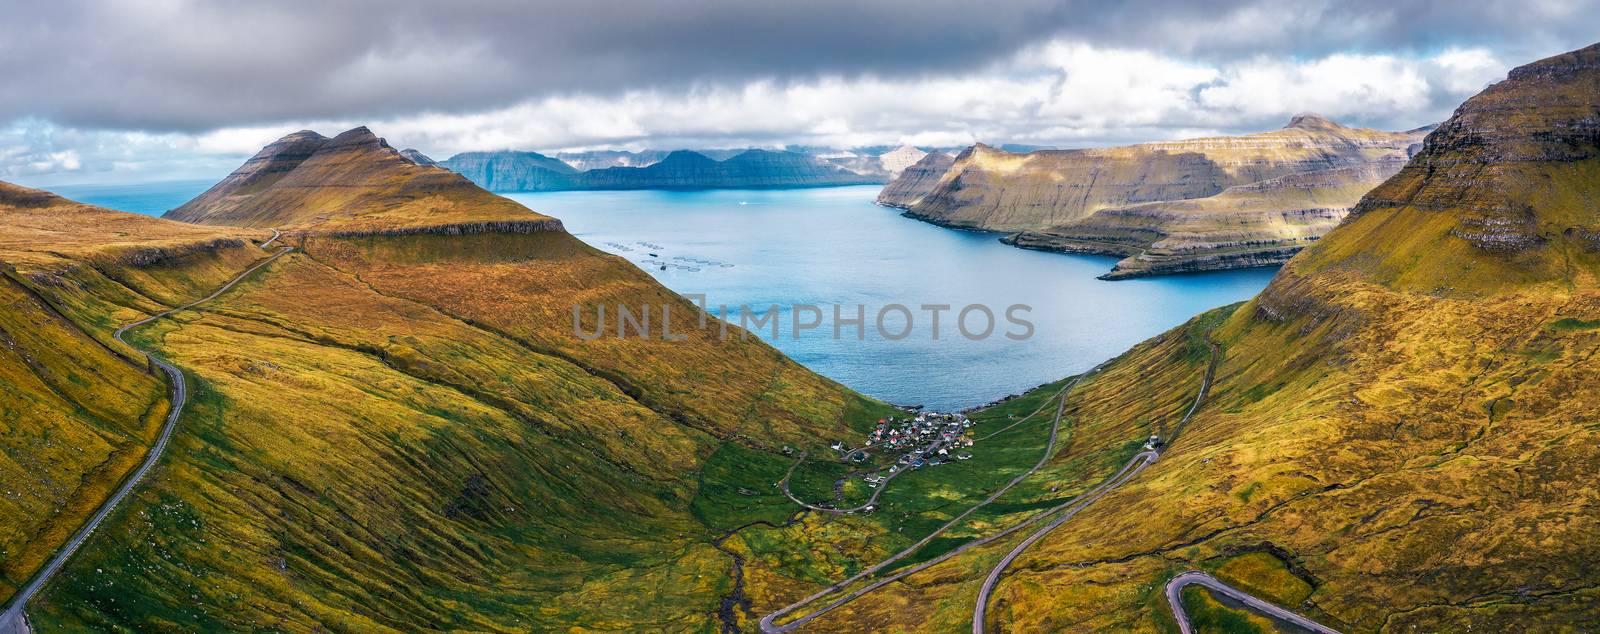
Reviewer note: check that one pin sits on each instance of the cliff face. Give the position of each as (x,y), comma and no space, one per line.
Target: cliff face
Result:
(1124,200)
(601,159)
(916,181)
(895,161)
(263,170)
(682,169)
(1258,224)
(996,190)
(512,171)
(1400,431)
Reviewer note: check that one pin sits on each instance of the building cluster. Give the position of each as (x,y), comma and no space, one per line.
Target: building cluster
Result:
(926,439)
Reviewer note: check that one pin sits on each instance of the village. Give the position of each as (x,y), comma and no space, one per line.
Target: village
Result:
(925,439)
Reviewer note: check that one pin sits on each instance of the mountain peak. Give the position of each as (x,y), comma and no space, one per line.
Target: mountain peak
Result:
(1495,199)
(354,182)
(416,156)
(1585,60)
(1312,121)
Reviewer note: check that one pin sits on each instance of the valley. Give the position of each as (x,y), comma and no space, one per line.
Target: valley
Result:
(1323,378)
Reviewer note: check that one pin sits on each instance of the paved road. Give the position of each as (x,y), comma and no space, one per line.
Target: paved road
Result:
(871,501)
(1195,577)
(768,624)
(884,484)
(12,621)
(981,608)
(1139,462)
(269,240)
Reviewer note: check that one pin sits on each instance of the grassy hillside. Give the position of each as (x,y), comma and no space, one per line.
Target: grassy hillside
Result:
(1401,434)
(396,426)
(78,412)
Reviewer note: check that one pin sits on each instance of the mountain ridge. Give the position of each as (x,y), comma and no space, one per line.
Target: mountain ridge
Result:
(1168,206)
(680,169)
(404,400)
(1399,434)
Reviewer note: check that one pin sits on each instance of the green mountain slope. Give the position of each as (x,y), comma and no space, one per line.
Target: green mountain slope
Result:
(1401,433)
(395,427)
(79,411)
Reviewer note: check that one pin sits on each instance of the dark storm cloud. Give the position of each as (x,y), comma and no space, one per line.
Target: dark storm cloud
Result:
(173,65)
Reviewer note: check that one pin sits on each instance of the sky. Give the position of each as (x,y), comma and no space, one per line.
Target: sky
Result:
(116,91)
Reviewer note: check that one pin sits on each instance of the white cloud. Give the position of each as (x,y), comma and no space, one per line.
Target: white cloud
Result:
(1058,93)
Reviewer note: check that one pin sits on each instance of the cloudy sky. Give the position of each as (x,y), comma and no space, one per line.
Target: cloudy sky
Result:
(106,91)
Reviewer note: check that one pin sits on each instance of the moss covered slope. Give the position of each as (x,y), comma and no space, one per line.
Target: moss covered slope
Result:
(1402,432)
(396,427)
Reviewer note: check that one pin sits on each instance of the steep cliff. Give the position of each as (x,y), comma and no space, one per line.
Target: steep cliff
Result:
(353,182)
(916,181)
(1199,204)
(512,171)
(751,168)
(895,161)
(683,169)
(1258,224)
(996,190)
(1400,433)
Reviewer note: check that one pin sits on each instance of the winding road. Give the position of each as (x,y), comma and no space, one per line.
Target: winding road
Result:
(980,610)
(884,484)
(13,620)
(768,623)
(1194,577)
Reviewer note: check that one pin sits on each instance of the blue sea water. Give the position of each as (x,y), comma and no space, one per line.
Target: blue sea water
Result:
(833,246)
(151,199)
(829,246)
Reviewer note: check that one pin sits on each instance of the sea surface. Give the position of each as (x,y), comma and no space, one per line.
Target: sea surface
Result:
(832,246)
(151,199)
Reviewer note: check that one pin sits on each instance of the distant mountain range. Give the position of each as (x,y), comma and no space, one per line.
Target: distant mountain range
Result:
(511,171)
(1168,207)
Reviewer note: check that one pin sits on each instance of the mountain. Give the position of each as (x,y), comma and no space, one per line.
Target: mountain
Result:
(418,157)
(1259,224)
(1199,204)
(916,181)
(513,171)
(751,168)
(395,425)
(682,169)
(1399,432)
(600,159)
(896,161)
